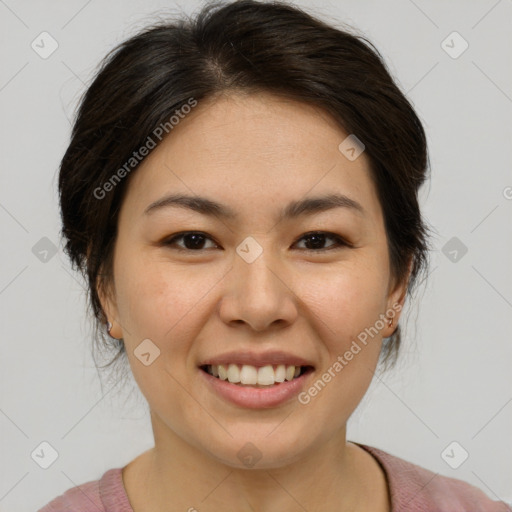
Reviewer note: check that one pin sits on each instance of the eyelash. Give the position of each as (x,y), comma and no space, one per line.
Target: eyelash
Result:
(339,241)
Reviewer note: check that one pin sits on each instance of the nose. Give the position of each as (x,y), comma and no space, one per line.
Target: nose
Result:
(258,294)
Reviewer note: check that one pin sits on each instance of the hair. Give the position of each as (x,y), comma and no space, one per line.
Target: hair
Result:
(245,46)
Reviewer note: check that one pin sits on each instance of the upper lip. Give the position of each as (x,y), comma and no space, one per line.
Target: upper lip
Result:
(271,357)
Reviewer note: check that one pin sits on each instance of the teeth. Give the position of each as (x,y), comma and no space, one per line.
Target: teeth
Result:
(248,375)
(251,375)
(233,373)
(280,373)
(223,374)
(266,375)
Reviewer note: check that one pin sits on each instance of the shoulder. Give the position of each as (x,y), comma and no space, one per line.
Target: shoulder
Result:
(98,495)
(413,487)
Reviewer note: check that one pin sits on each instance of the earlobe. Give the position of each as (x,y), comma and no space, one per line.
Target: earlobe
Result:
(114,330)
(396,301)
(108,305)
(393,311)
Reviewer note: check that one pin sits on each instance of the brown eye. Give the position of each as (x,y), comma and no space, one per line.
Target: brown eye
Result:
(316,240)
(192,241)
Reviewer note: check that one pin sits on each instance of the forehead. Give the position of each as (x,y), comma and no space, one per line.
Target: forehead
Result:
(254,151)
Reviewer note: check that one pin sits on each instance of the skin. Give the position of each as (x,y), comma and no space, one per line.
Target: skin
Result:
(255,154)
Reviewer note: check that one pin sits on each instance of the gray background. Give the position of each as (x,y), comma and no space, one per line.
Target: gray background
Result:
(453,382)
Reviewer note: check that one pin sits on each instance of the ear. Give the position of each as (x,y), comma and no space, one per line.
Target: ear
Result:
(109,305)
(396,298)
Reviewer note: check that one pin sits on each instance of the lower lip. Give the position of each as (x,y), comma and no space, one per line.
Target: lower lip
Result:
(257,398)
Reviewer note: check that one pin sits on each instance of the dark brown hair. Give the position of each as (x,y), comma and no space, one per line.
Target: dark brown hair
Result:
(246,46)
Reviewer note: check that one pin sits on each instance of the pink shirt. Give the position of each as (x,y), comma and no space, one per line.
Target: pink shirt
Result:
(413,489)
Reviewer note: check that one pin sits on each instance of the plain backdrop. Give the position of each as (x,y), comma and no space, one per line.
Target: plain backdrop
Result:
(453,382)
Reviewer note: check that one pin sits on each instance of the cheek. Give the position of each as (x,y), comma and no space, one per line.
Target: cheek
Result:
(163,302)
(160,307)
(347,300)
(347,315)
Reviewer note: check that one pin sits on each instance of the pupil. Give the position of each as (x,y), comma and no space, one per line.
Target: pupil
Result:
(197,241)
(320,239)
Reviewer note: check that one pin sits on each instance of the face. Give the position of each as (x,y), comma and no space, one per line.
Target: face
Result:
(256,283)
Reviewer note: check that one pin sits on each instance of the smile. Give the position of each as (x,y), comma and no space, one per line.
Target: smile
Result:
(249,392)
(249,375)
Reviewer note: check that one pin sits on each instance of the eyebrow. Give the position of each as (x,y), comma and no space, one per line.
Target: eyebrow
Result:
(205,206)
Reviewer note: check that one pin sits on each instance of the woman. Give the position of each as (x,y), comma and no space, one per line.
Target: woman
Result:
(241,191)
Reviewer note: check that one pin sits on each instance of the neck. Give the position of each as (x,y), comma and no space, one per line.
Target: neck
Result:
(332,476)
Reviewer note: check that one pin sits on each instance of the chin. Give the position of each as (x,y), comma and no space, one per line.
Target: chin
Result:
(255,449)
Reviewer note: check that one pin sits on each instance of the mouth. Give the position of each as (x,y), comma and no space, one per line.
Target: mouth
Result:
(266,376)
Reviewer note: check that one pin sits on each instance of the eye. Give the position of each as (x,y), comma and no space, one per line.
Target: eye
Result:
(195,241)
(318,238)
